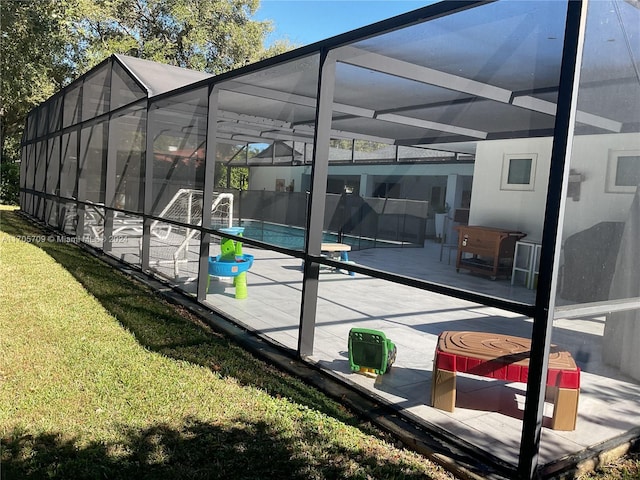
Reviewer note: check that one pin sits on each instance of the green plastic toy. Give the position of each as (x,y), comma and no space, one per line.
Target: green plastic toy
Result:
(370,351)
(228,249)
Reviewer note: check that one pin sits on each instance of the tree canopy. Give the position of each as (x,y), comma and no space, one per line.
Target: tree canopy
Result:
(48,43)
(208,35)
(33,44)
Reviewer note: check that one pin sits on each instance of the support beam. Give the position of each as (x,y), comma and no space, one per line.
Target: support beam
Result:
(315,216)
(207,194)
(148,194)
(293,98)
(551,240)
(110,183)
(427,124)
(429,76)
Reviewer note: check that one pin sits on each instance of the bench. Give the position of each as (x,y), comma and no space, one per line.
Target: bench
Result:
(503,357)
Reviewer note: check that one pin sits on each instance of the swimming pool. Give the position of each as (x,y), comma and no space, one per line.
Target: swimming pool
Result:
(292,237)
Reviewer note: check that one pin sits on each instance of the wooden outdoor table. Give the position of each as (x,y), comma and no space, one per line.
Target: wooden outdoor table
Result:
(486,250)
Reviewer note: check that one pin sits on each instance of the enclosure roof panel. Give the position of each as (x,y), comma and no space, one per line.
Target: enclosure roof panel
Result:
(159,78)
(484,73)
(479,71)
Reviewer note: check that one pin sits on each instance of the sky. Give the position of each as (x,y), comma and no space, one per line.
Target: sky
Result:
(306,21)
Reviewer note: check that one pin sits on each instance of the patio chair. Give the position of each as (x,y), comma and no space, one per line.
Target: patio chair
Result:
(450,241)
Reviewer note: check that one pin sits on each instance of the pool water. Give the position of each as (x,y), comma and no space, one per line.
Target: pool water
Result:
(288,236)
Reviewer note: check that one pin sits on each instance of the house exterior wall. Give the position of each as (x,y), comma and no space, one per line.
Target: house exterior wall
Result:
(590,158)
(492,206)
(264,178)
(510,209)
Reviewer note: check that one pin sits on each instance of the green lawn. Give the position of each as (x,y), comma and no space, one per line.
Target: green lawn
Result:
(102,379)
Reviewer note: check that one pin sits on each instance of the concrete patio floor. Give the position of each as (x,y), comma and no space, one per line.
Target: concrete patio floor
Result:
(488,413)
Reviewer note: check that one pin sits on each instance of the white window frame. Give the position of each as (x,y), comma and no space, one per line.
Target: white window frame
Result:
(506,163)
(612,169)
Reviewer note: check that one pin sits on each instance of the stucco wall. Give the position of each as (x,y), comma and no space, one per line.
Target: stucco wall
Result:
(265,177)
(590,157)
(524,210)
(511,209)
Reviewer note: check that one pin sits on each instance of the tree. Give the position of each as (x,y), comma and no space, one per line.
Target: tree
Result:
(238,176)
(9,183)
(34,36)
(45,44)
(207,35)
